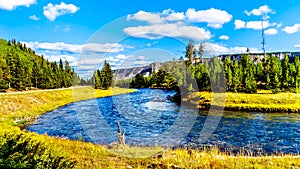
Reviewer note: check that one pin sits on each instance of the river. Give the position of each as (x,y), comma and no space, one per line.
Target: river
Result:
(148,118)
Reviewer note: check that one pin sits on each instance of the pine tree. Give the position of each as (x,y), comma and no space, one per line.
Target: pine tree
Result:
(3,74)
(190,53)
(61,75)
(228,72)
(97,82)
(201,52)
(285,73)
(275,72)
(107,75)
(237,76)
(259,74)
(103,78)
(292,76)
(19,75)
(297,74)
(138,81)
(68,75)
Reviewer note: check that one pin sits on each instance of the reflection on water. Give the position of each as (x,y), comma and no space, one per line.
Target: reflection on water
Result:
(150,119)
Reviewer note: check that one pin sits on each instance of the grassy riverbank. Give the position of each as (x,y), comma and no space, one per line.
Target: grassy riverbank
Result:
(263,101)
(21,107)
(21,149)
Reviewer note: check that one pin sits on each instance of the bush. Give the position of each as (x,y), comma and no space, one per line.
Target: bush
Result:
(19,149)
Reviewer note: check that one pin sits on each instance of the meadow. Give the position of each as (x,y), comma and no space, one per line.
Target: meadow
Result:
(22,149)
(262,101)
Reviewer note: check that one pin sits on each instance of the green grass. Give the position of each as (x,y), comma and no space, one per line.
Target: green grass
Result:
(22,149)
(263,101)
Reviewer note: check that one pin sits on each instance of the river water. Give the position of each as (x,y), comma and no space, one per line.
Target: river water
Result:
(148,118)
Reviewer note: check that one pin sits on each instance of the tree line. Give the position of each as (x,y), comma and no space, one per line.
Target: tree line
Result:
(159,79)
(22,69)
(247,74)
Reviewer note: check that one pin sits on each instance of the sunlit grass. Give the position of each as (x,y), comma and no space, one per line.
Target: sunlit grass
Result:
(263,101)
(18,109)
(214,159)
(22,107)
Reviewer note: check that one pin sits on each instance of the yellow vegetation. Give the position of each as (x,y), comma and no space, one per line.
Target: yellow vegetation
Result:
(263,101)
(19,108)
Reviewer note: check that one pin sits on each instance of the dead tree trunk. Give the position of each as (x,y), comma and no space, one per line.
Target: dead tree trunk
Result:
(121,136)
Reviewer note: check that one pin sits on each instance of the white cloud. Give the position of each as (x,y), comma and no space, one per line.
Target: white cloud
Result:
(106,47)
(224,37)
(168,30)
(256,25)
(121,56)
(261,11)
(77,48)
(148,45)
(291,29)
(214,17)
(271,31)
(56,58)
(239,24)
(211,49)
(58,46)
(91,62)
(279,25)
(297,46)
(13,4)
(53,11)
(173,16)
(146,16)
(34,17)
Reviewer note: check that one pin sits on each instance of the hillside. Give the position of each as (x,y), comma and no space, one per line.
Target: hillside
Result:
(129,73)
(22,69)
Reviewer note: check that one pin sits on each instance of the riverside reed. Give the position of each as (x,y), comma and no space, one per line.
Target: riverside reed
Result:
(22,149)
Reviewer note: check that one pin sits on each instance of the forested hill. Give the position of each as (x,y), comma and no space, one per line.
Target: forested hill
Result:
(22,69)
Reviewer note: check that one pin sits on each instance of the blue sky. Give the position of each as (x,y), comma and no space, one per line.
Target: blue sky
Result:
(132,33)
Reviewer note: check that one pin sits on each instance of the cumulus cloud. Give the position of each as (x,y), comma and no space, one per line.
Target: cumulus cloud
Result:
(291,29)
(271,31)
(51,11)
(211,49)
(168,30)
(146,16)
(34,17)
(256,25)
(261,11)
(175,16)
(134,61)
(13,4)
(77,48)
(239,24)
(224,37)
(106,47)
(214,17)
(56,58)
(57,46)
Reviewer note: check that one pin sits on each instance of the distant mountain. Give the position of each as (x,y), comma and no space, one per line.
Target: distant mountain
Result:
(131,72)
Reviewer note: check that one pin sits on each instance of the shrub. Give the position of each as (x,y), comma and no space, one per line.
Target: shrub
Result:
(19,149)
